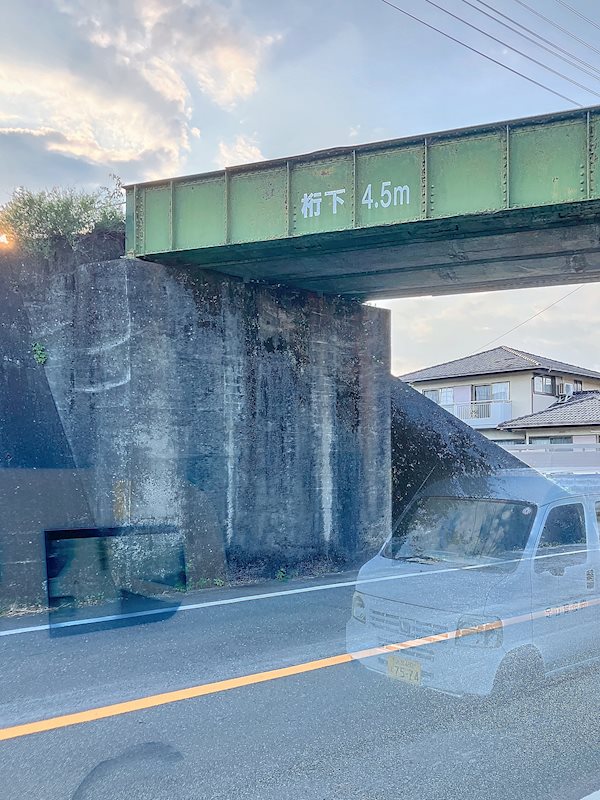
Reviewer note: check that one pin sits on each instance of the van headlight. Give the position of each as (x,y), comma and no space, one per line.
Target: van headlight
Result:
(479,632)
(359,611)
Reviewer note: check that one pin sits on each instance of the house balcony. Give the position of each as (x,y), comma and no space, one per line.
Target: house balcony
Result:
(483,414)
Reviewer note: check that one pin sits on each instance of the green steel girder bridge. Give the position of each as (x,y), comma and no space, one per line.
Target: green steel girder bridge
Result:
(506,205)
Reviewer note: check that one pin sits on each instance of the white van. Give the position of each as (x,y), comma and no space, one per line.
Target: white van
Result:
(503,572)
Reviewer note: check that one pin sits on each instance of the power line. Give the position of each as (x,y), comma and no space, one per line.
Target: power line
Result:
(579,14)
(542,38)
(529,38)
(480,53)
(533,316)
(514,49)
(558,27)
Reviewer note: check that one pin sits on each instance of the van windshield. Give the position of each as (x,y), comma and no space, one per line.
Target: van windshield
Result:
(453,528)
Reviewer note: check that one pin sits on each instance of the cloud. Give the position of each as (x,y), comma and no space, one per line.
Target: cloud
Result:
(86,120)
(116,83)
(47,169)
(243,150)
(209,44)
(49,162)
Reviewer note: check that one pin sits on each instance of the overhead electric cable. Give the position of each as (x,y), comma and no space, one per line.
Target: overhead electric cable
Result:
(558,27)
(579,14)
(530,39)
(480,53)
(533,316)
(520,25)
(510,47)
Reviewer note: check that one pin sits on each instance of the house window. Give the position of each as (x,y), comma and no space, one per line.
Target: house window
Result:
(578,386)
(482,405)
(551,440)
(501,390)
(446,397)
(482,393)
(544,385)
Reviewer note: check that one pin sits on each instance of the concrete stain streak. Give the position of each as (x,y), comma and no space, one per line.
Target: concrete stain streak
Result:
(230,382)
(105,385)
(228,410)
(105,346)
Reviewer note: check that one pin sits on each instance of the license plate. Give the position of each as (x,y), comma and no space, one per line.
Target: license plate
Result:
(404,669)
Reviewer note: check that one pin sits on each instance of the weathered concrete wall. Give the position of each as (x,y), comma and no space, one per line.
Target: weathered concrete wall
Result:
(429,445)
(251,421)
(199,421)
(39,485)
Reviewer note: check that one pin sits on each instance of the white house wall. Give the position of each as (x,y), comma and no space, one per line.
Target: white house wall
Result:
(523,400)
(520,388)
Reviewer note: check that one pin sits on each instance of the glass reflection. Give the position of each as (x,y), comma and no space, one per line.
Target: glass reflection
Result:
(486,585)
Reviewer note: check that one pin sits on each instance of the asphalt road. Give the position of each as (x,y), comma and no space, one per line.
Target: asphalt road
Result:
(339,732)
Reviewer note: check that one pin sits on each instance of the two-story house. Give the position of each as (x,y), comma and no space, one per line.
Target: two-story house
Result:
(500,391)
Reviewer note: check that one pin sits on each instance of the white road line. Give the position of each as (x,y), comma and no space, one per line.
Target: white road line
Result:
(187,607)
(212,603)
(154,612)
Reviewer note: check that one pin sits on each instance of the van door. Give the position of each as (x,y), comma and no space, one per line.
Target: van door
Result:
(564,585)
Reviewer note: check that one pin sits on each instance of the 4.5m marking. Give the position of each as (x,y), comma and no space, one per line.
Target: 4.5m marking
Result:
(398,196)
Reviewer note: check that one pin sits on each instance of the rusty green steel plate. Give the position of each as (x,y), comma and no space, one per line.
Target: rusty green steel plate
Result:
(325,204)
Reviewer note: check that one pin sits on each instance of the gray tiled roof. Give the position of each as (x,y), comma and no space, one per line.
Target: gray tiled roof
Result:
(500,359)
(581,409)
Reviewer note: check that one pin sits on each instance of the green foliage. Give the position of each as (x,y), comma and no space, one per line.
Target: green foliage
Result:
(219,582)
(37,220)
(40,353)
(281,574)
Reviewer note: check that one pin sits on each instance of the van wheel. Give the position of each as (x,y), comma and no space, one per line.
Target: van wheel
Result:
(520,672)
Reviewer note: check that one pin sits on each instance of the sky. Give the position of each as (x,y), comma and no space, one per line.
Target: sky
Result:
(157,88)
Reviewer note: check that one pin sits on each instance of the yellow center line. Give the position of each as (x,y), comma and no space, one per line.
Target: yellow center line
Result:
(165,698)
(152,701)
